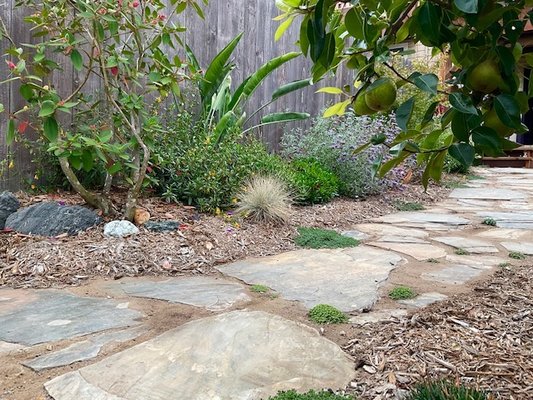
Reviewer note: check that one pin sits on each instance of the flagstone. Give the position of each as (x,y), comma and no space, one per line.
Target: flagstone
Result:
(470,245)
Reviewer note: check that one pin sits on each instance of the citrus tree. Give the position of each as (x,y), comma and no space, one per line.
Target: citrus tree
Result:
(120,48)
(483,90)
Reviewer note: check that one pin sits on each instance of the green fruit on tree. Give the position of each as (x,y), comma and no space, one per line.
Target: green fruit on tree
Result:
(360,107)
(381,94)
(491,120)
(485,77)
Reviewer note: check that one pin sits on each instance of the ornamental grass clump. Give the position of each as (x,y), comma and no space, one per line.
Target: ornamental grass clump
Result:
(445,390)
(265,199)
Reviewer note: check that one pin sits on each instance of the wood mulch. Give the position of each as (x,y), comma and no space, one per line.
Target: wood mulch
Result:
(202,242)
(483,339)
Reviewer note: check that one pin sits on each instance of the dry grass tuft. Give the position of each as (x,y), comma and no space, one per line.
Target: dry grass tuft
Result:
(265,199)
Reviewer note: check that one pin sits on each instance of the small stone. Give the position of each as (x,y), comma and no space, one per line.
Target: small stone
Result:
(8,205)
(370,369)
(52,219)
(120,229)
(162,226)
(356,235)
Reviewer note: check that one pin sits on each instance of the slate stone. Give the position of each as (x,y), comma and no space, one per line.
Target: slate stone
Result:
(487,194)
(423,300)
(162,226)
(6,348)
(386,229)
(471,245)
(241,355)
(356,235)
(510,220)
(348,279)
(425,220)
(199,291)
(120,229)
(502,233)
(523,247)
(52,219)
(33,317)
(454,275)
(8,205)
(479,261)
(420,251)
(81,351)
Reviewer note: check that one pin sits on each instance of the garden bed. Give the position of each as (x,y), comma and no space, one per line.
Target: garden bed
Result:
(202,242)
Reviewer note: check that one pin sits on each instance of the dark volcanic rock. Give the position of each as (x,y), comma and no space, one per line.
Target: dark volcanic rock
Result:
(162,226)
(52,219)
(8,205)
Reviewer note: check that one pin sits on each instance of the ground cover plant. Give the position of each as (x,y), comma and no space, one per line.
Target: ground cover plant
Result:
(408,206)
(318,238)
(445,390)
(516,255)
(402,293)
(259,288)
(489,221)
(326,314)
(311,395)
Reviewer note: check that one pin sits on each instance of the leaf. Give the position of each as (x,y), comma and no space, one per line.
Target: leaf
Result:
(354,24)
(26,91)
(462,152)
(427,83)
(51,129)
(221,129)
(275,118)
(487,140)
(282,28)
(330,90)
(337,109)
(77,60)
(10,137)
(462,103)
(290,87)
(467,6)
(508,110)
(430,112)
(404,113)
(48,107)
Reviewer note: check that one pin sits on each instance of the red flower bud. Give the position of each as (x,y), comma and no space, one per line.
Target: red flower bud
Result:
(114,71)
(135,4)
(11,64)
(22,126)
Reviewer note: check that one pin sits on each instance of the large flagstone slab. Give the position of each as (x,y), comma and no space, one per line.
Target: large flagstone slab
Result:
(476,261)
(420,251)
(241,355)
(522,247)
(32,317)
(454,275)
(471,245)
(487,193)
(510,220)
(348,279)
(425,220)
(199,291)
(385,229)
(502,233)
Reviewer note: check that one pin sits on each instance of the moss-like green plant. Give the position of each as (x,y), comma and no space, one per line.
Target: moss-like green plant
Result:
(402,293)
(461,252)
(444,390)
(408,206)
(504,264)
(311,395)
(326,314)
(433,261)
(489,221)
(259,288)
(516,255)
(317,238)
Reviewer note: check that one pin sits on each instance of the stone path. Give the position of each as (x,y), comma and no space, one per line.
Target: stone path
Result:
(236,350)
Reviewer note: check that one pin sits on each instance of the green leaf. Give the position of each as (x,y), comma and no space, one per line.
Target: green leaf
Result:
(26,91)
(77,60)
(337,109)
(284,117)
(354,24)
(290,87)
(221,129)
(404,113)
(282,28)
(462,152)
(488,141)
(330,90)
(427,83)
(508,110)
(430,112)
(51,129)
(10,137)
(48,107)
(467,6)
(462,103)
(105,136)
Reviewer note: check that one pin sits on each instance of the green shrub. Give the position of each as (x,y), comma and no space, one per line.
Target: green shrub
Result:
(444,390)
(313,183)
(402,293)
(317,238)
(516,255)
(326,314)
(452,166)
(311,395)
(259,288)
(462,252)
(408,206)
(489,221)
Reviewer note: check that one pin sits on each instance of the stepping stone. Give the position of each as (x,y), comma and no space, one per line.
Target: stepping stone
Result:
(519,206)
(348,279)
(378,316)
(455,275)
(415,250)
(423,300)
(475,261)
(470,245)
(384,229)
(198,291)
(523,247)
(58,315)
(239,355)
(426,220)
(502,233)
(401,239)
(81,351)
(487,194)
(356,235)
(511,220)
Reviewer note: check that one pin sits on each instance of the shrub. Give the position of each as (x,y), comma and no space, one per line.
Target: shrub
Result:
(462,252)
(489,221)
(408,206)
(452,166)
(444,390)
(317,238)
(265,198)
(516,255)
(259,288)
(313,183)
(311,395)
(402,293)
(331,141)
(326,314)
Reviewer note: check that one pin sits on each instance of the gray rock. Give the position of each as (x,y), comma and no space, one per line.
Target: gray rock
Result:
(6,348)
(162,226)
(423,300)
(510,220)
(8,205)
(523,247)
(419,251)
(52,219)
(487,194)
(426,220)
(120,229)
(454,275)
(471,245)
(241,355)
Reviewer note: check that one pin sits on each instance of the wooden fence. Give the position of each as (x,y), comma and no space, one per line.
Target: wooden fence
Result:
(223,21)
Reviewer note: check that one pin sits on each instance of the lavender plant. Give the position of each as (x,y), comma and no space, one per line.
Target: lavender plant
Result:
(332,141)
